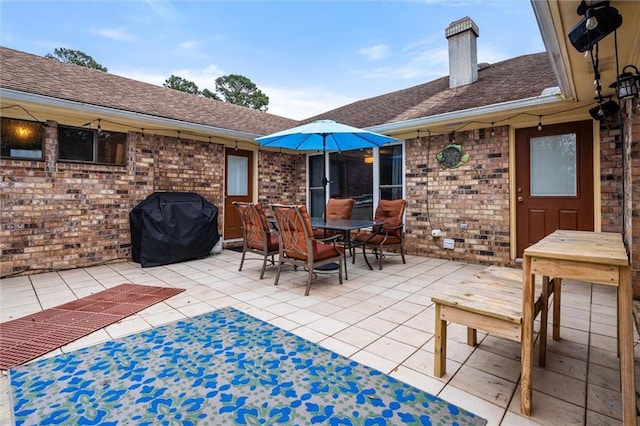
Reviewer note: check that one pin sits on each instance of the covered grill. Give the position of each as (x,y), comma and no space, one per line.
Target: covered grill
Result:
(170,227)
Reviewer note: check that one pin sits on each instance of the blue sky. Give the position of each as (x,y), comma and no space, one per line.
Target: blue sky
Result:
(307,56)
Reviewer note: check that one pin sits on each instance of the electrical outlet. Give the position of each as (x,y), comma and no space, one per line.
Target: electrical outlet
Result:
(448,243)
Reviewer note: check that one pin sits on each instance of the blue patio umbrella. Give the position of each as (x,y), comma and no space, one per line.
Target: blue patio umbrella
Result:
(324,135)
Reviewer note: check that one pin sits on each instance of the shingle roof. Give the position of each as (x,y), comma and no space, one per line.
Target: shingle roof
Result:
(36,74)
(513,79)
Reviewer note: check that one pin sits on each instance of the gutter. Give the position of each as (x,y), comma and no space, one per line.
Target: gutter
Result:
(471,113)
(17,96)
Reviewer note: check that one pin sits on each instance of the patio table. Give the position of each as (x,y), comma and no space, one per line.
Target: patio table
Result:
(346,225)
(594,257)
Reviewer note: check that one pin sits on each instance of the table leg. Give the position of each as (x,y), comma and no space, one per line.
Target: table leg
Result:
(526,366)
(557,290)
(440,349)
(627,368)
(347,246)
(544,315)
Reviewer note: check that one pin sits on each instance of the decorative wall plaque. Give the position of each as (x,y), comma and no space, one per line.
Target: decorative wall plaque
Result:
(452,157)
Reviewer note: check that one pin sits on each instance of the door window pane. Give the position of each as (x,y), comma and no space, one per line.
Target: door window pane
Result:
(237,175)
(553,165)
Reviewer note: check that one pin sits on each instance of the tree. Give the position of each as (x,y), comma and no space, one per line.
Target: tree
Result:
(209,94)
(239,90)
(75,57)
(232,88)
(181,84)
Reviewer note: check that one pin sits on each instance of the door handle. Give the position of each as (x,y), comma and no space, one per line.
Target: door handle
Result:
(520,199)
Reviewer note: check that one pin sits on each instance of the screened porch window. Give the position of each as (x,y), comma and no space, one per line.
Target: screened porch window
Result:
(366,175)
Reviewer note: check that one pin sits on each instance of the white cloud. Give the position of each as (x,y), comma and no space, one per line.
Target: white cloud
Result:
(188,45)
(204,79)
(301,103)
(113,34)
(375,52)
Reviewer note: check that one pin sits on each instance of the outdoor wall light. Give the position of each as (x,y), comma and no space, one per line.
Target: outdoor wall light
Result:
(627,84)
(599,21)
(604,109)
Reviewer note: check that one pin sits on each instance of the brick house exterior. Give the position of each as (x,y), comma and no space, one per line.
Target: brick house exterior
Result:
(64,215)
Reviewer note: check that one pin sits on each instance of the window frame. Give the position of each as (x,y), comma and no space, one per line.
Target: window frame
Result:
(96,135)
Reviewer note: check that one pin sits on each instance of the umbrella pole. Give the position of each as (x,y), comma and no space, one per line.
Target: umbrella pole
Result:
(324,175)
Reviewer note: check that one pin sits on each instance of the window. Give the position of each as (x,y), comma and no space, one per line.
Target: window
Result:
(91,146)
(316,188)
(22,139)
(366,175)
(390,159)
(553,165)
(352,177)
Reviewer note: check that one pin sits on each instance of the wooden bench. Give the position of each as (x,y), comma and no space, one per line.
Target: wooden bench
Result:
(491,301)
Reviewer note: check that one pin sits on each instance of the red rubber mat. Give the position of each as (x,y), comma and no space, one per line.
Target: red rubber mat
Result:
(29,337)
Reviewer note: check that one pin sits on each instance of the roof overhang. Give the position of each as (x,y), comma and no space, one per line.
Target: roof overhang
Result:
(574,70)
(32,106)
(520,113)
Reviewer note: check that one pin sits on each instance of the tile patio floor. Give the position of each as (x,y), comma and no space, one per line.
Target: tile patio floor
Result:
(384,319)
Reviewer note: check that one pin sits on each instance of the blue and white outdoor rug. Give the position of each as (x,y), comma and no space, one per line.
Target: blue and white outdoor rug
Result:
(221,368)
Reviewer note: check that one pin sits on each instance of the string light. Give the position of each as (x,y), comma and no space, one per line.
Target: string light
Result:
(236,147)
(99,127)
(452,139)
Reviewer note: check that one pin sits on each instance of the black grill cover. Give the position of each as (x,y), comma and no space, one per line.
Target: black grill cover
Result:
(170,227)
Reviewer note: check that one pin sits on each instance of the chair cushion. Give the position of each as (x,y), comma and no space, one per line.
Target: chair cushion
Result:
(390,212)
(272,243)
(377,238)
(319,233)
(326,251)
(340,208)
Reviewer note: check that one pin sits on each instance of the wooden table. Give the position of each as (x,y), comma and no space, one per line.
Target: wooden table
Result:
(594,257)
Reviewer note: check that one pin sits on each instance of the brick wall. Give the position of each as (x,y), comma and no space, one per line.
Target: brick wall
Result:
(281,178)
(631,152)
(475,194)
(62,215)
(611,176)
(59,215)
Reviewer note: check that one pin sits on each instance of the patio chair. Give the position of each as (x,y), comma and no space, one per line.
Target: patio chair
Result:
(337,208)
(297,245)
(388,236)
(257,236)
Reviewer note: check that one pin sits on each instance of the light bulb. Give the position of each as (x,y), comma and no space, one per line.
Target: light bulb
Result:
(540,124)
(592,21)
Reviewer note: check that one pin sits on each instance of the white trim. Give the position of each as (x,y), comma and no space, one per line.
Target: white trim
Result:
(557,52)
(474,113)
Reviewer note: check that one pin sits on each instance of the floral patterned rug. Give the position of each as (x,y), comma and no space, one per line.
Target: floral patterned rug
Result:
(221,368)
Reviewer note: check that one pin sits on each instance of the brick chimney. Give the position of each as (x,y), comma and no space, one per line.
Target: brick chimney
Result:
(463,53)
